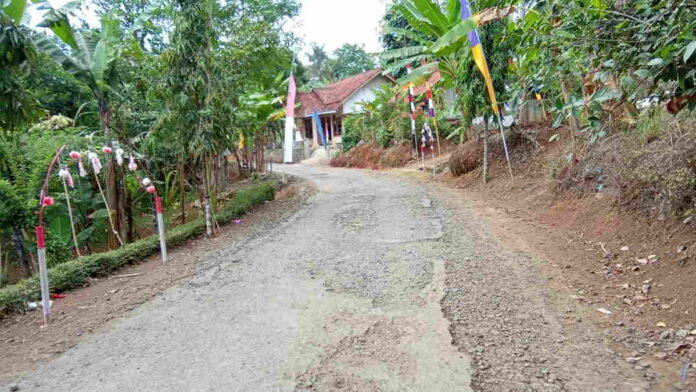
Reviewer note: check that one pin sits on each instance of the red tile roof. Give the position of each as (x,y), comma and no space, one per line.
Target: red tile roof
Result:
(332,97)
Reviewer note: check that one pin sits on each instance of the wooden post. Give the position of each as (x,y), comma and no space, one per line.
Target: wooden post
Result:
(333,125)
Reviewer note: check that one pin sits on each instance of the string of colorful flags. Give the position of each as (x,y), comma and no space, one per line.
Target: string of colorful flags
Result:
(68,181)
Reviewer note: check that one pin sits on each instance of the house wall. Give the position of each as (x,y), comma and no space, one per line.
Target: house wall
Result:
(365,94)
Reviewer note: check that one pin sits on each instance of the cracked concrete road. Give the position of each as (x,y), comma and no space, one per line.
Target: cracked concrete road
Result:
(349,294)
(344,295)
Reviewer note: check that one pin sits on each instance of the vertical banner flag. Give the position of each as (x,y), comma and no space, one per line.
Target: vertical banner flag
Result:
(320,129)
(290,121)
(480,60)
(412,109)
(478,55)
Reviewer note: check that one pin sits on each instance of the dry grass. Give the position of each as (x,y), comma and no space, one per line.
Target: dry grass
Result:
(397,156)
(372,156)
(650,167)
(466,158)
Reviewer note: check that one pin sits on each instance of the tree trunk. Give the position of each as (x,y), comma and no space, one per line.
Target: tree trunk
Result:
(124,208)
(182,189)
(112,194)
(130,221)
(239,162)
(573,122)
(21,254)
(207,207)
(485,150)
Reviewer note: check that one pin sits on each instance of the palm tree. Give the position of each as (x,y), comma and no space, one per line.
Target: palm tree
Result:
(440,34)
(319,60)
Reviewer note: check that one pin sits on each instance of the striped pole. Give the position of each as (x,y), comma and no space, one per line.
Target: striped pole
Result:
(431,111)
(428,141)
(160,228)
(422,149)
(412,111)
(43,274)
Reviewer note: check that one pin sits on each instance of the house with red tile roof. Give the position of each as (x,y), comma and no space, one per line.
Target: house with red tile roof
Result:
(334,102)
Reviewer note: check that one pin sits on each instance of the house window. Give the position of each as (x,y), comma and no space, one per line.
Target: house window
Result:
(338,128)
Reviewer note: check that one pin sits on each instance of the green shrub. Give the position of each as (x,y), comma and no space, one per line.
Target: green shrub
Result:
(351,132)
(74,273)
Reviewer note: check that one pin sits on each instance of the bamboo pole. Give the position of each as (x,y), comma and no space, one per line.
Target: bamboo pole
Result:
(507,153)
(72,219)
(108,209)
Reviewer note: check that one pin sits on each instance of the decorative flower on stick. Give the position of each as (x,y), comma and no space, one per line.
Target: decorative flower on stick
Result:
(47,201)
(119,156)
(65,174)
(76,155)
(132,166)
(96,164)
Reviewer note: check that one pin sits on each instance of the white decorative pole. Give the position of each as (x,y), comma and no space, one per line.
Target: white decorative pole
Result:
(43,274)
(160,227)
(208,218)
(290,122)
(159,210)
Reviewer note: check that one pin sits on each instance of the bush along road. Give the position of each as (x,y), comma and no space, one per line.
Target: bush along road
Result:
(376,284)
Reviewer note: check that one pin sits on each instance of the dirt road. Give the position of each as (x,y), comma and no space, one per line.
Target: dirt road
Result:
(377,284)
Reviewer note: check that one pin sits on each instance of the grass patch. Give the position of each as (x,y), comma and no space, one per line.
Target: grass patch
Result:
(75,273)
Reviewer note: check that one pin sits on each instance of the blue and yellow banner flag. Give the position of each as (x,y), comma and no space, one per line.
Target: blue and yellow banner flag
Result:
(479,56)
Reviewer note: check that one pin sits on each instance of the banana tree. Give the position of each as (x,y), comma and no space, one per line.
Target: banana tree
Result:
(441,35)
(91,61)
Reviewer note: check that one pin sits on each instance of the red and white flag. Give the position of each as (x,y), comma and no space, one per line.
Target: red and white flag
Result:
(292,94)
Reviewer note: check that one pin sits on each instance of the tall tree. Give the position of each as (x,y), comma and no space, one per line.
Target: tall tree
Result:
(319,63)
(189,82)
(351,59)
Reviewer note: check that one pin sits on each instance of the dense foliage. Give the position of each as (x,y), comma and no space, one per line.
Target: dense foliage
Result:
(596,63)
(348,60)
(186,88)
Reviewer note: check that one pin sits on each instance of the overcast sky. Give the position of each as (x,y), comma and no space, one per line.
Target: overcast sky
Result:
(327,22)
(335,22)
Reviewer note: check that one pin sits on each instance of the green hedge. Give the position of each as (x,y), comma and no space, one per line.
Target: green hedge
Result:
(75,273)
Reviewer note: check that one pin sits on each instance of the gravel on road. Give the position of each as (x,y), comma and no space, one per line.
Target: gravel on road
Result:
(377,284)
